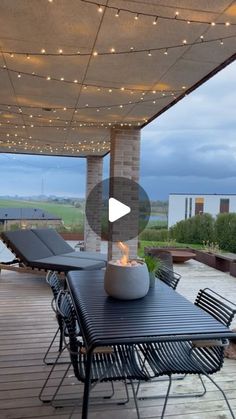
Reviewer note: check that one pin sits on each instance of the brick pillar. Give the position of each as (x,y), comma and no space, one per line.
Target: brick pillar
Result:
(125,162)
(94,175)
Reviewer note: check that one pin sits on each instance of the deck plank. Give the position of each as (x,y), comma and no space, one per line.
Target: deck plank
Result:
(27,324)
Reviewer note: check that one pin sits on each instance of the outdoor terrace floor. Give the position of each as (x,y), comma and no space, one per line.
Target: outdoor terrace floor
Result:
(26,328)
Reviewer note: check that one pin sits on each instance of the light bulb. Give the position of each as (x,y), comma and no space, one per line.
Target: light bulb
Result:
(100,9)
(155,21)
(136,16)
(117,13)
(43,51)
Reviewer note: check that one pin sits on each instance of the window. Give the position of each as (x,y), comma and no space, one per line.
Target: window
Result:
(199,205)
(186,208)
(224,205)
(190,207)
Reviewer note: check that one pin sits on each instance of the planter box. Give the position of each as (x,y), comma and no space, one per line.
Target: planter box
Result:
(72,236)
(206,258)
(232,268)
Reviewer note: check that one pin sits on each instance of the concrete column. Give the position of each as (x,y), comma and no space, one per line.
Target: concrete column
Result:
(94,176)
(125,162)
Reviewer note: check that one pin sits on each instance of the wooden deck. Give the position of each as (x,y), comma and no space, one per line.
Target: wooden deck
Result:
(27,325)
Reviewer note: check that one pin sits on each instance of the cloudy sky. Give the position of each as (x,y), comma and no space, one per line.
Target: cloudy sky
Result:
(191,148)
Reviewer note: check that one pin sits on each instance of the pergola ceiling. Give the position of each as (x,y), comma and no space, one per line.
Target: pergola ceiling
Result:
(70,71)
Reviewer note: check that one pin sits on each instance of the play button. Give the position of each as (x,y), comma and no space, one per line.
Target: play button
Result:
(125,209)
(117,210)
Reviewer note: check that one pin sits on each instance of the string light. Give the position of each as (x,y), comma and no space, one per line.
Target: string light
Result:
(155,21)
(176,16)
(119,52)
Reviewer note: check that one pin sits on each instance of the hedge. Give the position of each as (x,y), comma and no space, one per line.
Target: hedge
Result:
(154,235)
(225,231)
(194,230)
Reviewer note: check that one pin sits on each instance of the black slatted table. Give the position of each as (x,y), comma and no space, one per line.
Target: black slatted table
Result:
(163,315)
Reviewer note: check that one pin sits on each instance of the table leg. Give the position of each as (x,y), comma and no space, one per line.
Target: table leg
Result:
(87,385)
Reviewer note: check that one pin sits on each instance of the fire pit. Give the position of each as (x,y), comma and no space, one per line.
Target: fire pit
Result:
(126,279)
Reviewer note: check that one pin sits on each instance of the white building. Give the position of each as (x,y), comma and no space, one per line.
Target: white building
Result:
(183,206)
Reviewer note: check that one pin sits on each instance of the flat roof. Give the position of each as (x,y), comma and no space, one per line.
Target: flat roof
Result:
(26,214)
(204,194)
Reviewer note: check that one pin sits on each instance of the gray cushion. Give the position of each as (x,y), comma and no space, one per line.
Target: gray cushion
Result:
(60,263)
(53,240)
(26,245)
(87,255)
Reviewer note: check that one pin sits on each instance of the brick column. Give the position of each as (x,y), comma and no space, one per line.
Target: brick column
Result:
(125,162)
(94,175)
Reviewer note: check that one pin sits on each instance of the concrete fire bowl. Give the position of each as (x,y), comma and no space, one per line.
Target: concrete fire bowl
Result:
(126,282)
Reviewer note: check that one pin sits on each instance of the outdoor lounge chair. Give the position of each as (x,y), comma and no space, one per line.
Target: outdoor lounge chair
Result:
(33,248)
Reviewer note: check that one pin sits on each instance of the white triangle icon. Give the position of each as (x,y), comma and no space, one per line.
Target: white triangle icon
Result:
(117,210)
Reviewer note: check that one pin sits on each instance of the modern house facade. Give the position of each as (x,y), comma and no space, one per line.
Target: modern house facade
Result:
(184,206)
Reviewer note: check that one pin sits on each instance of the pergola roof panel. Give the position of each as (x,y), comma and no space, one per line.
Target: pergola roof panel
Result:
(124,71)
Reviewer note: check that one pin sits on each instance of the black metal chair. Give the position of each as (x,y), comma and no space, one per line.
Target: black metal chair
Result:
(56,286)
(168,276)
(113,363)
(197,357)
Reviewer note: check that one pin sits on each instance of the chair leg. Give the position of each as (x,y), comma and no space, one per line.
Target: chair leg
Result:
(48,350)
(47,379)
(177,396)
(127,396)
(222,392)
(135,399)
(166,398)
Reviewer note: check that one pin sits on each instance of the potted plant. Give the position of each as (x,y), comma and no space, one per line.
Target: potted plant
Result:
(153,264)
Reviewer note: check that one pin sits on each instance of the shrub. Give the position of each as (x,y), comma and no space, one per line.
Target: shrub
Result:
(225,231)
(194,230)
(154,235)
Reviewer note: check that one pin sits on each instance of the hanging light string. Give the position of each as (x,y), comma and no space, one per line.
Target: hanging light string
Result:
(80,124)
(97,107)
(113,51)
(155,17)
(85,86)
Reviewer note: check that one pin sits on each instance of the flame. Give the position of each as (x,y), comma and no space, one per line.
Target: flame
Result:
(124,248)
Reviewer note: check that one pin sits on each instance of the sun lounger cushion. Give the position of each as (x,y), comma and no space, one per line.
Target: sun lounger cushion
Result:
(33,252)
(59,246)
(52,239)
(26,245)
(60,263)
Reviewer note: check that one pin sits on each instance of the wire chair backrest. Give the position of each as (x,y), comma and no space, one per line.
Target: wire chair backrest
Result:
(168,276)
(217,306)
(66,312)
(54,282)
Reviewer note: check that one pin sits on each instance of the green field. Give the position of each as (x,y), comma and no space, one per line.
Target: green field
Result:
(69,214)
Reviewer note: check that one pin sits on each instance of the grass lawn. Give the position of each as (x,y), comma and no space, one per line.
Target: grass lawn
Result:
(69,214)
